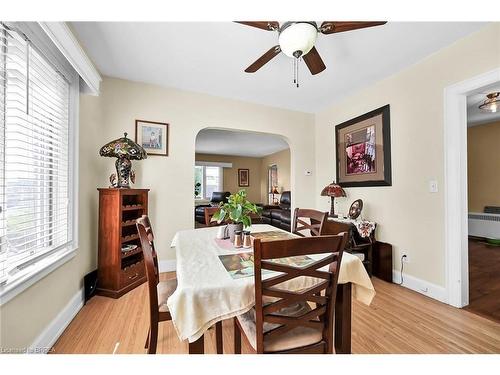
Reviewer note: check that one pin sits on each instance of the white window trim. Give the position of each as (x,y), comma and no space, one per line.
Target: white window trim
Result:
(66,42)
(33,273)
(221,167)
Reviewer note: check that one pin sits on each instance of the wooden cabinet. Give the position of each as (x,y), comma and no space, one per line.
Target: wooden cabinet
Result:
(120,271)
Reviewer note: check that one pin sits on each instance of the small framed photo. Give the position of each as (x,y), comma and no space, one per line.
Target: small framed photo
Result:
(243,177)
(152,136)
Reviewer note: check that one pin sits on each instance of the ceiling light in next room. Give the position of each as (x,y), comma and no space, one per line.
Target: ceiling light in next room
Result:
(492,103)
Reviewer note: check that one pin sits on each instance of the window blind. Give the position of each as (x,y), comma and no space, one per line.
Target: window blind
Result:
(34,155)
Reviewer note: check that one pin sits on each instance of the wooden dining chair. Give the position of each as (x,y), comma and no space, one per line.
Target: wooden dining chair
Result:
(159,291)
(209,213)
(295,322)
(316,224)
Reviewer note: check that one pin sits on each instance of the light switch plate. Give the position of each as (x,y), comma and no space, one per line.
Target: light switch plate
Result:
(433,186)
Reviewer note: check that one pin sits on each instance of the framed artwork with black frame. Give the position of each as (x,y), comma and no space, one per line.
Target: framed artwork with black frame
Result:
(363,146)
(243,177)
(152,136)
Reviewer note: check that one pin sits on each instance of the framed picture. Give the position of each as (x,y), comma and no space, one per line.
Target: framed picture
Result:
(244,177)
(152,136)
(363,147)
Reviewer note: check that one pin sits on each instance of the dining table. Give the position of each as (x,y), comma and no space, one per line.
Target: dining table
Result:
(207,293)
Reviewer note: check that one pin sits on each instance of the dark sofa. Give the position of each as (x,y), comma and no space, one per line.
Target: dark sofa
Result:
(217,197)
(279,215)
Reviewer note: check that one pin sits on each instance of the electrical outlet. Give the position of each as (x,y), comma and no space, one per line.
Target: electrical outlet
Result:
(406,258)
(433,186)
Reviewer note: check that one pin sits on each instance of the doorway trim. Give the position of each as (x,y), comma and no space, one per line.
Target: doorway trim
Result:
(455,184)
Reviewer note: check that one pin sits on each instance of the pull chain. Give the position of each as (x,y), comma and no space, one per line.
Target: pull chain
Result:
(297,63)
(294,71)
(295,66)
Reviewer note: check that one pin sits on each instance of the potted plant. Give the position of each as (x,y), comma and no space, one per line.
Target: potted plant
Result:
(236,211)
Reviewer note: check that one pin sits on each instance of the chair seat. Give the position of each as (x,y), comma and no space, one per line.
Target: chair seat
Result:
(295,338)
(165,290)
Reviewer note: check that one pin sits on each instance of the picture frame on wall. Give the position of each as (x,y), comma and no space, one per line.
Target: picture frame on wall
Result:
(152,136)
(363,150)
(243,177)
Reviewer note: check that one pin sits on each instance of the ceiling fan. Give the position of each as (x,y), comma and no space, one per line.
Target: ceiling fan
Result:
(296,39)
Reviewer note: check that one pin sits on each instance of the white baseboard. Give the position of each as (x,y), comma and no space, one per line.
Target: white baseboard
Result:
(44,342)
(168,265)
(421,286)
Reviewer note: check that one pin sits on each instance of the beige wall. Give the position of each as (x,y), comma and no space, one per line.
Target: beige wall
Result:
(170,179)
(483,166)
(231,174)
(282,160)
(409,217)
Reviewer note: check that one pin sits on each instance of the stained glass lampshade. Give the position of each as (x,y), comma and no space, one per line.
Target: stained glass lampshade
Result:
(333,191)
(124,149)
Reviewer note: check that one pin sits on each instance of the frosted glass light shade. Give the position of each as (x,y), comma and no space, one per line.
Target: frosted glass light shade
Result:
(298,37)
(491,104)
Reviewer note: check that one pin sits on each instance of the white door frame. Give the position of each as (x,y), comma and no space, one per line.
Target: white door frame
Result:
(455,184)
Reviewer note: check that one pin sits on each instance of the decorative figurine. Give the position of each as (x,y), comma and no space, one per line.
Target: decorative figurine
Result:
(112,180)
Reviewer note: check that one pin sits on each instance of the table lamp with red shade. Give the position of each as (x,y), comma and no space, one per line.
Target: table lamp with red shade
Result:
(333,191)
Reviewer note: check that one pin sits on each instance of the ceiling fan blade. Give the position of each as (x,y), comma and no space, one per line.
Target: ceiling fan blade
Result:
(331,27)
(264,59)
(314,62)
(264,25)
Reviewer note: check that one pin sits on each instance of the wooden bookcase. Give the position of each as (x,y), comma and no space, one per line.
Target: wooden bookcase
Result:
(119,272)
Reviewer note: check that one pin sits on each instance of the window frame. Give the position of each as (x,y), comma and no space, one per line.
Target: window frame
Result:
(29,275)
(204,165)
(270,185)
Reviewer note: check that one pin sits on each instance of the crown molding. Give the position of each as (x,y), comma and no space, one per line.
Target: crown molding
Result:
(64,39)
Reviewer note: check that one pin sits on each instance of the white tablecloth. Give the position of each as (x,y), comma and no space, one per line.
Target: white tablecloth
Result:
(206,293)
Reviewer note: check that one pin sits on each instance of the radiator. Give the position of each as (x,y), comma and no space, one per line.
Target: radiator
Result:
(484,225)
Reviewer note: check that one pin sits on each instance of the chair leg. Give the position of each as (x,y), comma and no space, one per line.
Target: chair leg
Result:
(218,338)
(147,339)
(153,338)
(237,338)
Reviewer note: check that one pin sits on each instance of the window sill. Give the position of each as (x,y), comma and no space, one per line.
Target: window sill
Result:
(200,201)
(30,275)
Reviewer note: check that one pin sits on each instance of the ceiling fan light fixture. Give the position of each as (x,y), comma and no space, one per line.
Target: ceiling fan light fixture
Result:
(297,38)
(492,103)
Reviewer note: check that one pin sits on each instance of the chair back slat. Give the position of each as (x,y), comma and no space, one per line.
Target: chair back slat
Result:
(151,272)
(321,295)
(315,224)
(146,223)
(209,213)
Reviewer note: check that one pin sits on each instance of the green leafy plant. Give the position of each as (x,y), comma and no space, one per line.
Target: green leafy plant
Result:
(237,209)
(197,189)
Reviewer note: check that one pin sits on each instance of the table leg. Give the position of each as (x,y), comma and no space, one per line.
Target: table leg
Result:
(218,338)
(343,319)
(197,347)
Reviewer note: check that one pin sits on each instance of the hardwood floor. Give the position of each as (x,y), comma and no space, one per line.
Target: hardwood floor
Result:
(398,321)
(484,280)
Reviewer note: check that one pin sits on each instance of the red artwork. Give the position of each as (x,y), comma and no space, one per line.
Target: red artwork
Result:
(360,151)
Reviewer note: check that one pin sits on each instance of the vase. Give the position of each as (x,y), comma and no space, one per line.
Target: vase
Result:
(123,166)
(231,228)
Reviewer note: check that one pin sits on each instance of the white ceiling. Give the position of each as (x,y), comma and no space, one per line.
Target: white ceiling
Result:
(238,143)
(210,57)
(474,115)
